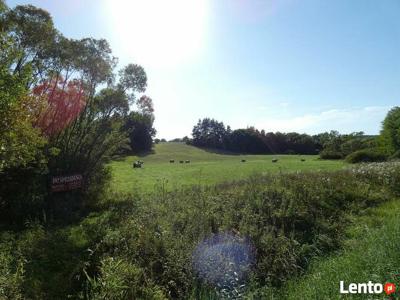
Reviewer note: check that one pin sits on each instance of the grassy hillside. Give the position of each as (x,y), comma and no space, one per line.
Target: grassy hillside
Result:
(205,167)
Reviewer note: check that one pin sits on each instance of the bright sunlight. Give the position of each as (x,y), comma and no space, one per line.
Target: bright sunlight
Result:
(159,33)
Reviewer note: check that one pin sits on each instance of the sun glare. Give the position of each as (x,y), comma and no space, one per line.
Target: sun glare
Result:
(158,33)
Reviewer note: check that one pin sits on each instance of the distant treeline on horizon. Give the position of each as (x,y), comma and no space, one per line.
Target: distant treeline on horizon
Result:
(210,133)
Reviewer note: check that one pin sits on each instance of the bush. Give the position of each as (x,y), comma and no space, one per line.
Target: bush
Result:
(395,156)
(330,154)
(365,156)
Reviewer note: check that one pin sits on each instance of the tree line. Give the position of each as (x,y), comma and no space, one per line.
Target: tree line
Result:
(210,133)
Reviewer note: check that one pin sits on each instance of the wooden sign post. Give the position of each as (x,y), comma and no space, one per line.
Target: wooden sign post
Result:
(66,183)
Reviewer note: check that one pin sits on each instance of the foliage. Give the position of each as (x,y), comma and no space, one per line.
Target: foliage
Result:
(246,141)
(337,146)
(34,38)
(390,134)
(139,125)
(63,111)
(22,160)
(367,155)
(11,269)
(64,103)
(20,143)
(210,133)
(120,279)
(396,155)
(329,154)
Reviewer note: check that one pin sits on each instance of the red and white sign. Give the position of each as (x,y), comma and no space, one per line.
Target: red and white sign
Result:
(66,183)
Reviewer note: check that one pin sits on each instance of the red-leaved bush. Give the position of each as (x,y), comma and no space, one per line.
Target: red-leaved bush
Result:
(63,102)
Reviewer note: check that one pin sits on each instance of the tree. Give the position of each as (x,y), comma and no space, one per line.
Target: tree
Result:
(209,133)
(20,143)
(141,131)
(22,159)
(59,98)
(34,37)
(246,141)
(65,101)
(390,133)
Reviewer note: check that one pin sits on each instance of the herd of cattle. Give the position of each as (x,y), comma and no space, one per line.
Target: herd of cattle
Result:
(139,163)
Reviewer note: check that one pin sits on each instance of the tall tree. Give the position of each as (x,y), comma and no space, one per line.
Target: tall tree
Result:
(390,134)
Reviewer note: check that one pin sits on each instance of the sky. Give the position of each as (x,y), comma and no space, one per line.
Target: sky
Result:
(280,65)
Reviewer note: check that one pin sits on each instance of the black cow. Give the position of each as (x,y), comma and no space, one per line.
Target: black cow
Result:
(138,164)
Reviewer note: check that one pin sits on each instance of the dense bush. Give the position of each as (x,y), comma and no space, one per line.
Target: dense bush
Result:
(329,154)
(367,155)
(395,156)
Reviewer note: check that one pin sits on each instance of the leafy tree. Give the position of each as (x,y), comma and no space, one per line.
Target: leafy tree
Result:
(141,131)
(22,160)
(246,141)
(213,134)
(133,78)
(209,133)
(390,134)
(20,143)
(34,37)
(64,102)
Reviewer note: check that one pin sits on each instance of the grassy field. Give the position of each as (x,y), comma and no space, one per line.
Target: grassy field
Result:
(204,168)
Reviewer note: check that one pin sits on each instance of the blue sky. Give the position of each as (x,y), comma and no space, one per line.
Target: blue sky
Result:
(289,65)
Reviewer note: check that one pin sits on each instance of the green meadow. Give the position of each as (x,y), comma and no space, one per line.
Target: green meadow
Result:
(205,167)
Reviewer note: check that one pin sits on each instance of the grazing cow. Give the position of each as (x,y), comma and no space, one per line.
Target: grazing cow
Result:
(171,161)
(187,161)
(275,160)
(138,164)
(181,161)
(243,160)
(303,159)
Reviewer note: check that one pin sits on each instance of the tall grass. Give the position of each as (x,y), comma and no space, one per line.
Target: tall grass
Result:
(142,247)
(371,254)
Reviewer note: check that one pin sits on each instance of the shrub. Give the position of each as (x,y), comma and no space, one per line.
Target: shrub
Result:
(330,154)
(366,155)
(395,156)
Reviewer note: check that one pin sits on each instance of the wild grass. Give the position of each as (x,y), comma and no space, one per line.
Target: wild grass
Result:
(143,246)
(371,253)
